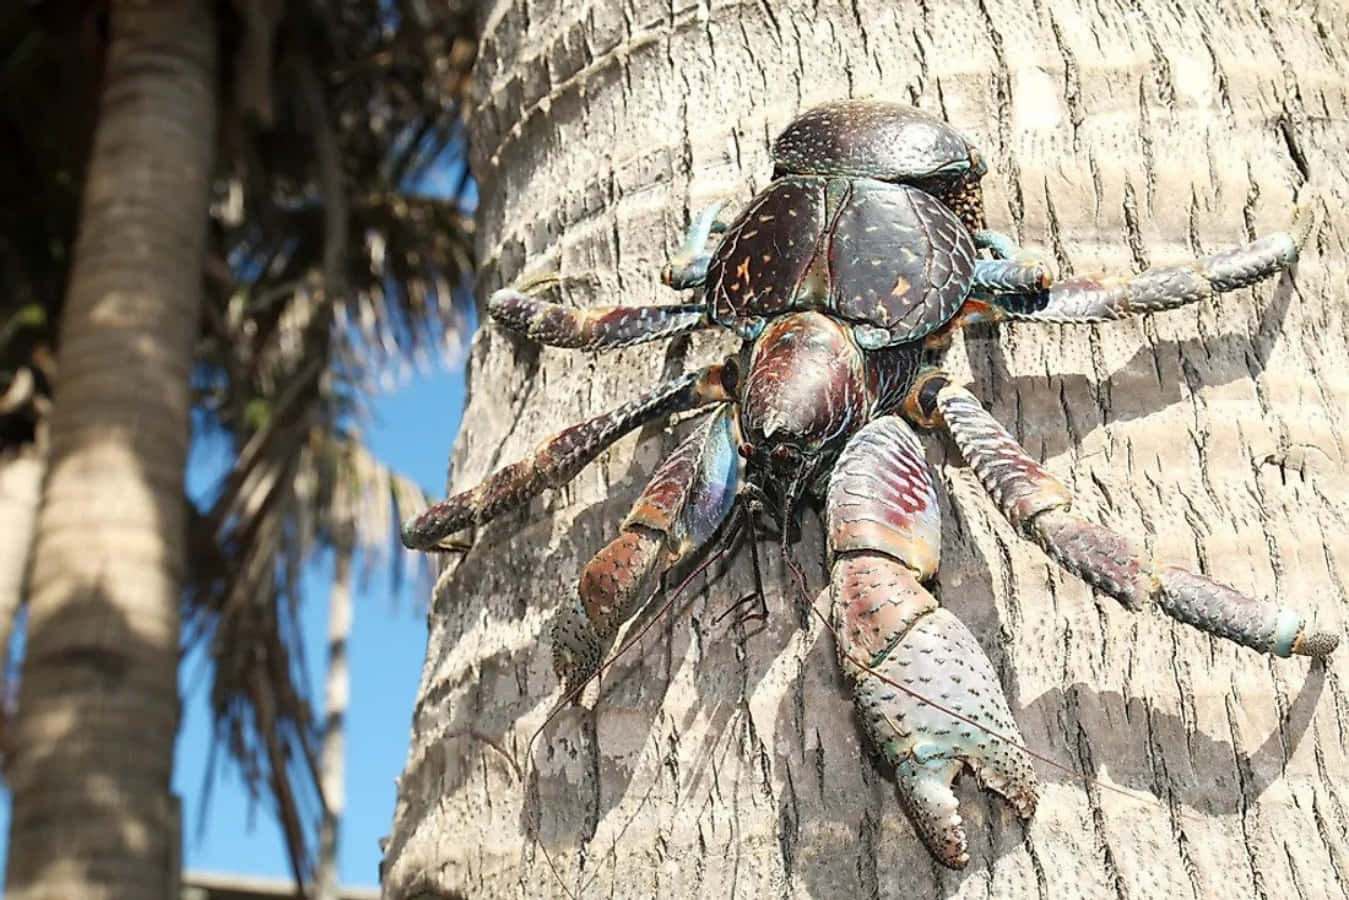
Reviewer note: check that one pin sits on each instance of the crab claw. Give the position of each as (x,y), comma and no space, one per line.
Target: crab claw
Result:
(925,791)
(613,585)
(578,649)
(933,705)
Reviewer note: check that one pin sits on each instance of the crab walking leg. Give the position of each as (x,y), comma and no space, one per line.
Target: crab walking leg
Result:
(1038,506)
(1100,298)
(687,499)
(592,328)
(557,460)
(1009,275)
(884,537)
(689,267)
(1002,246)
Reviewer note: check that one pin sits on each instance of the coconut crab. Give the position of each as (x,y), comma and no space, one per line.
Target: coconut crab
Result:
(844,279)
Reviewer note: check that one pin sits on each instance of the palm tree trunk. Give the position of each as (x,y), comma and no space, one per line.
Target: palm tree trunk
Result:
(1118,134)
(93,815)
(20,487)
(336,696)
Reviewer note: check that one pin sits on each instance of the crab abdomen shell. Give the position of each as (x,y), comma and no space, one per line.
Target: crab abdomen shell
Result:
(871,139)
(887,256)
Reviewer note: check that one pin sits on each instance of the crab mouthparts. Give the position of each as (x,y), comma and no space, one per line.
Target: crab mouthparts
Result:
(782,486)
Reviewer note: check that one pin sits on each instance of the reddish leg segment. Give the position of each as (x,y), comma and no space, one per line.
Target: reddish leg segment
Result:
(557,460)
(1038,506)
(687,499)
(592,328)
(926,693)
(609,327)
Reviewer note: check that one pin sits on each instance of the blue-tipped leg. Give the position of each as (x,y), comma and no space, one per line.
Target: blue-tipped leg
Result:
(688,269)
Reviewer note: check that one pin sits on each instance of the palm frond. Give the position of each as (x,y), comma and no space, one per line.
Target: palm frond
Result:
(336,270)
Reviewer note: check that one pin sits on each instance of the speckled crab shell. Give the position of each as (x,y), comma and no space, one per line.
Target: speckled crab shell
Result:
(890,259)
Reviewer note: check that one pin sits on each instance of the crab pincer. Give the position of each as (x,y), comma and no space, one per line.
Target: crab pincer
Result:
(926,693)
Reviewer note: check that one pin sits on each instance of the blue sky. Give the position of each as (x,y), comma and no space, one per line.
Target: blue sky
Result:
(412,432)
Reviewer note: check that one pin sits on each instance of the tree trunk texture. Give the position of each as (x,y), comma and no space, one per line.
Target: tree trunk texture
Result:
(93,814)
(336,699)
(711,763)
(20,488)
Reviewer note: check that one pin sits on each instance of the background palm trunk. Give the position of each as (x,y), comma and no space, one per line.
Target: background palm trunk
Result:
(20,488)
(93,816)
(336,698)
(1118,135)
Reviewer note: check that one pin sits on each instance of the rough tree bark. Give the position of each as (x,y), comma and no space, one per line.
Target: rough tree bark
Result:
(94,816)
(1118,135)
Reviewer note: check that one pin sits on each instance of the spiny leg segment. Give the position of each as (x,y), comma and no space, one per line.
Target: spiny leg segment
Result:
(688,498)
(558,458)
(611,327)
(594,327)
(1013,285)
(1038,506)
(884,537)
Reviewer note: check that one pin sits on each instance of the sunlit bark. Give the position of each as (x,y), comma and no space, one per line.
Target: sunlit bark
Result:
(1118,135)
